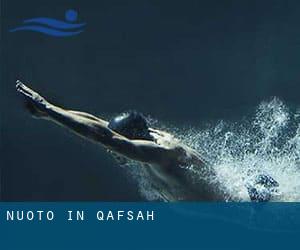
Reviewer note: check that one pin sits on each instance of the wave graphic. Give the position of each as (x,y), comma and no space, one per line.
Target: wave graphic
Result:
(53,23)
(53,27)
(48,31)
(268,141)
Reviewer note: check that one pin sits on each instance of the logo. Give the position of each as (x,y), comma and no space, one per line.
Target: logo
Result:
(53,27)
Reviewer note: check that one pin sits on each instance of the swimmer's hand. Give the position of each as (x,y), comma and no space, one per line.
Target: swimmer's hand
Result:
(35,103)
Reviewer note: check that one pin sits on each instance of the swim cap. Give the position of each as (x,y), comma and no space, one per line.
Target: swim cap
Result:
(132,125)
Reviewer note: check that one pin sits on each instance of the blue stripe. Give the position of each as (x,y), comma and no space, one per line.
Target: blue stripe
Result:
(53,23)
(47,31)
(185,226)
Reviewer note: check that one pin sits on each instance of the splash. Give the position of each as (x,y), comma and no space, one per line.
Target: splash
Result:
(268,142)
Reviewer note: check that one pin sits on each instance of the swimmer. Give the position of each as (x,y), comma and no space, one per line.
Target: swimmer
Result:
(129,136)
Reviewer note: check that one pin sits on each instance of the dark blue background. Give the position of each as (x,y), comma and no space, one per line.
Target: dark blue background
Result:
(182,62)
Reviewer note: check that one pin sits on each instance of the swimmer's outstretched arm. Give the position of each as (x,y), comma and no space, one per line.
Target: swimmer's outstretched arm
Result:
(95,129)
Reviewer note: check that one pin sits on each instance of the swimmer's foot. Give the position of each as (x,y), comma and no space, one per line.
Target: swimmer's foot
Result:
(263,188)
(34,103)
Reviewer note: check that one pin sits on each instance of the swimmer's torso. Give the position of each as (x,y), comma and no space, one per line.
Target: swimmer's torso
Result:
(178,179)
(181,183)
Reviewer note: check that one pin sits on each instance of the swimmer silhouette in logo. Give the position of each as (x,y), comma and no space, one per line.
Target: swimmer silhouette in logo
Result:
(53,27)
(165,157)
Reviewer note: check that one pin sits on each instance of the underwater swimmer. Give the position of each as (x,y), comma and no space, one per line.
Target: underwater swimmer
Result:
(128,135)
